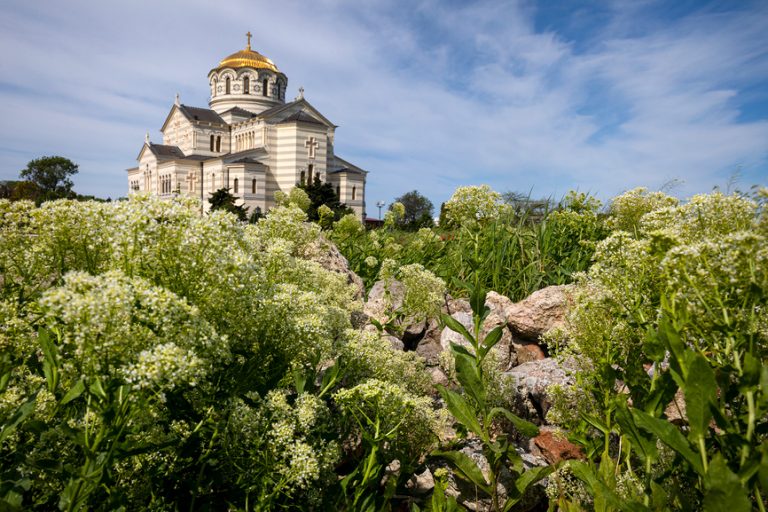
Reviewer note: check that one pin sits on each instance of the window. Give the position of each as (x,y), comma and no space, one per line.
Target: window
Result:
(236,183)
(227,85)
(303,177)
(253,186)
(218,144)
(311,169)
(264,86)
(212,146)
(354,193)
(338,192)
(246,85)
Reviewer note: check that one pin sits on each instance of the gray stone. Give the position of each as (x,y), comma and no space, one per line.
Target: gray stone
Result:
(329,257)
(530,383)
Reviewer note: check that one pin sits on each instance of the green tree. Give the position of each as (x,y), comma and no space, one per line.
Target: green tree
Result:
(323,194)
(418,211)
(52,176)
(223,199)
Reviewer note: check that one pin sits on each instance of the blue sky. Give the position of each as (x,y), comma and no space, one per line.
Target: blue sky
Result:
(537,97)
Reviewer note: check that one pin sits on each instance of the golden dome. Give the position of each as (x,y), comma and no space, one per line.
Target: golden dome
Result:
(248,59)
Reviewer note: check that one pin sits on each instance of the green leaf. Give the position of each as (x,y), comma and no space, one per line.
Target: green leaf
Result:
(669,435)
(469,376)
(597,488)
(462,411)
(74,392)
(724,489)
(643,445)
(596,422)
(16,418)
(525,480)
(477,301)
(458,327)
(526,428)
(700,389)
(468,470)
(97,389)
(490,341)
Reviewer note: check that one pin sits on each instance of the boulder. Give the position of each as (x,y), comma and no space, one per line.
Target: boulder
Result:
(529,383)
(525,352)
(429,346)
(384,298)
(554,447)
(540,312)
(474,499)
(449,336)
(330,258)
(394,342)
(422,483)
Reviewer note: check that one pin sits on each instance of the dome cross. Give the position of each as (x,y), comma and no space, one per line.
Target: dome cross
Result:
(248,35)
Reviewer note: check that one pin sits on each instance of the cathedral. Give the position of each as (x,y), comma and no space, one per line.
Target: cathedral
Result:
(249,141)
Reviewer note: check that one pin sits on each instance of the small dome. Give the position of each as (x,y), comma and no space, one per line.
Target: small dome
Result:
(247,59)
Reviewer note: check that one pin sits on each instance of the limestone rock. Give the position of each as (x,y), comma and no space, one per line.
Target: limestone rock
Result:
(429,346)
(422,483)
(474,499)
(449,336)
(525,352)
(330,258)
(540,312)
(554,447)
(456,305)
(438,376)
(395,343)
(383,299)
(530,382)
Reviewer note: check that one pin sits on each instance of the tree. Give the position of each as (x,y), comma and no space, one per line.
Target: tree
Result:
(222,199)
(52,175)
(418,211)
(323,194)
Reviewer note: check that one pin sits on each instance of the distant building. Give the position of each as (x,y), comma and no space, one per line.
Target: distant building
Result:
(250,141)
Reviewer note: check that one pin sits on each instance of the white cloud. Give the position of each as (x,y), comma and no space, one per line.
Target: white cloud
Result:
(427,96)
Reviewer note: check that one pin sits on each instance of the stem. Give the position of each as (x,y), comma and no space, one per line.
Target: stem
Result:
(703,453)
(750,425)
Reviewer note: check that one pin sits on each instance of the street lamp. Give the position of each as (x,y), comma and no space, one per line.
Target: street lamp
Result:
(380,204)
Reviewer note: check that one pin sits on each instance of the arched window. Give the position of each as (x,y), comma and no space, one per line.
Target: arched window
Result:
(218,144)
(227,86)
(311,168)
(264,86)
(338,192)
(212,146)
(354,193)
(253,186)
(236,183)
(246,85)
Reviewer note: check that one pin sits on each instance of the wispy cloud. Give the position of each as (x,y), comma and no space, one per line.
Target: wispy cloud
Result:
(428,94)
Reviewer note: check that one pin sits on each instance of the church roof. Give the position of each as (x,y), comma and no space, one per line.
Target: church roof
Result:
(204,115)
(301,117)
(303,106)
(247,58)
(164,152)
(239,112)
(340,165)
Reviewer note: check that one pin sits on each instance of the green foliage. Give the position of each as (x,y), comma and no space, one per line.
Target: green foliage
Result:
(507,251)
(417,211)
(320,194)
(674,303)
(475,414)
(52,176)
(153,358)
(223,200)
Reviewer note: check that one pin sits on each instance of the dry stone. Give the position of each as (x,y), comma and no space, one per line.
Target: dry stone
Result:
(554,447)
(530,382)
(330,258)
(540,312)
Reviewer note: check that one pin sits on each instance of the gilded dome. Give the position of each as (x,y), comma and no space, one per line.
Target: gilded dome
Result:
(248,59)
